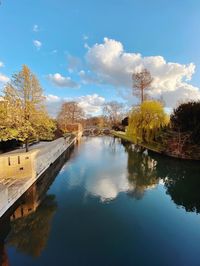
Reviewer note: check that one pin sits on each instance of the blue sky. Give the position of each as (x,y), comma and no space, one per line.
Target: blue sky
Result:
(68,30)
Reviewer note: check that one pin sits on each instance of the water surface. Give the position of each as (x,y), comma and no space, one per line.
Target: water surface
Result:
(108,204)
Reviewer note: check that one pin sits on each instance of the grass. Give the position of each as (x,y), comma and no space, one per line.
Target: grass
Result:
(153,146)
(191,152)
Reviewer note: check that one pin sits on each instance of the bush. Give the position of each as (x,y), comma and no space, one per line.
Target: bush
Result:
(186,118)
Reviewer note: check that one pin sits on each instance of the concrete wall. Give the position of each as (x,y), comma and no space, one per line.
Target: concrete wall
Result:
(18,165)
(18,171)
(50,153)
(32,163)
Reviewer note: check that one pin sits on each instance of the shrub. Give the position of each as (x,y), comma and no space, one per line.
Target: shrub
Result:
(186,118)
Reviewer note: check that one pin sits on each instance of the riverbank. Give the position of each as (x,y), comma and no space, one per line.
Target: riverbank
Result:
(153,147)
(19,169)
(102,184)
(192,153)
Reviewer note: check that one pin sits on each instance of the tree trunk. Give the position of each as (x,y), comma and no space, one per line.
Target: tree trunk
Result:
(26,144)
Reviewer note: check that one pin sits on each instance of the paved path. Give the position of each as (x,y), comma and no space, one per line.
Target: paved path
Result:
(12,189)
(38,146)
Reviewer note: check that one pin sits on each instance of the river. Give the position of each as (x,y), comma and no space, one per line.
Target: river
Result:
(107,204)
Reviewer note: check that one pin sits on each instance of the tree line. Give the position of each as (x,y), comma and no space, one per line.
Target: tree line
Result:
(23,115)
(24,118)
(178,132)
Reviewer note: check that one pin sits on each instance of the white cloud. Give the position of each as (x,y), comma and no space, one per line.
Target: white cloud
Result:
(60,81)
(88,77)
(3,78)
(52,98)
(1,64)
(91,104)
(110,64)
(37,44)
(35,28)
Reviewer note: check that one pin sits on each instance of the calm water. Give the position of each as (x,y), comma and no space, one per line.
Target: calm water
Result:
(107,204)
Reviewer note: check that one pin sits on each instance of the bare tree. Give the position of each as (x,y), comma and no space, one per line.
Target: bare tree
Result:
(113,112)
(97,121)
(70,113)
(141,82)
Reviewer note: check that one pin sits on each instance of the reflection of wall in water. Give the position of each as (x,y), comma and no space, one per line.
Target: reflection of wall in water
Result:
(5,227)
(31,221)
(36,193)
(29,204)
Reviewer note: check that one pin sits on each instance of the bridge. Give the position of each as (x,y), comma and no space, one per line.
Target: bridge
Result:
(96,131)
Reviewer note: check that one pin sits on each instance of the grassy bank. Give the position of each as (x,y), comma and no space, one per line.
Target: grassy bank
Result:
(192,151)
(153,146)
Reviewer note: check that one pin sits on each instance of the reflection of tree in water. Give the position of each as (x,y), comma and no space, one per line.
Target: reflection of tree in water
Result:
(141,171)
(29,234)
(5,227)
(3,256)
(113,143)
(181,178)
(31,220)
(182,181)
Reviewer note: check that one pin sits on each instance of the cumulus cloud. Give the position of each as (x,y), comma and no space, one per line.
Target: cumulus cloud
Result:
(91,104)
(52,98)
(3,78)
(37,44)
(88,77)
(60,81)
(111,64)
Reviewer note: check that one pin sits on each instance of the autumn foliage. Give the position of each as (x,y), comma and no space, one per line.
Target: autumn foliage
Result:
(22,112)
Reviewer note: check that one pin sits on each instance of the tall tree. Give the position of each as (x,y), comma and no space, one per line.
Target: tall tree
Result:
(97,121)
(113,112)
(146,121)
(141,83)
(186,119)
(24,105)
(70,113)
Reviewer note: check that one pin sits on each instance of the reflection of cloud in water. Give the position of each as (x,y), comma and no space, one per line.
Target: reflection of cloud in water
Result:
(104,171)
(104,183)
(109,171)
(108,187)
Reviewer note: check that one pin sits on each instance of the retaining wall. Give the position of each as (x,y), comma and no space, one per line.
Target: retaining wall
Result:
(18,171)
